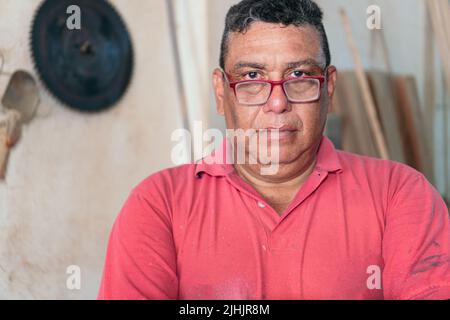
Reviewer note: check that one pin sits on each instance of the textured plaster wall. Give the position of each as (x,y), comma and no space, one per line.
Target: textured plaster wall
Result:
(71,172)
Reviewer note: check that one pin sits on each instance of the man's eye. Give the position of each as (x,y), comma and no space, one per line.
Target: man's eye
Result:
(252,75)
(298,74)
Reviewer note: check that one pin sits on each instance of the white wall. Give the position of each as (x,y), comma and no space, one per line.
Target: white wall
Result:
(71,172)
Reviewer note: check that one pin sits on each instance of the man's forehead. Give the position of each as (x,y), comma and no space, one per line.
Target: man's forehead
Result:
(266,44)
(241,64)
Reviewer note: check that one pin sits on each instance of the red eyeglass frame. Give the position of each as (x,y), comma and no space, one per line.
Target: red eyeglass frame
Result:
(277,83)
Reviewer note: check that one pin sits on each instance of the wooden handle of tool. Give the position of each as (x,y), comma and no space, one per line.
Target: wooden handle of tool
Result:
(9,134)
(4,150)
(13,128)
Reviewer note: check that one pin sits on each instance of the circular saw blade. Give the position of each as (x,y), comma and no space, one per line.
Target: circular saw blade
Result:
(90,68)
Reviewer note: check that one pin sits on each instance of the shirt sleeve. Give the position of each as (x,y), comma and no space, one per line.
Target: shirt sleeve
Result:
(416,243)
(140,259)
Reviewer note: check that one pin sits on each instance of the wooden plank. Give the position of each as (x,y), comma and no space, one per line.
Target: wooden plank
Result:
(382,90)
(429,88)
(349,104)
(369,104)
(439,11)
(412,122)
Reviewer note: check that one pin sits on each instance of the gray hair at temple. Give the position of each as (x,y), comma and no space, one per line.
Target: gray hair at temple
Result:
(286,12)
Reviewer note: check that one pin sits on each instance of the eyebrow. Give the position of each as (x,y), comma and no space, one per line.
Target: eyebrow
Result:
(290,65)
(307,62)
(254,65)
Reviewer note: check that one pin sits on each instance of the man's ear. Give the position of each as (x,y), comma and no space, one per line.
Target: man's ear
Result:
(218,84)
(331,85)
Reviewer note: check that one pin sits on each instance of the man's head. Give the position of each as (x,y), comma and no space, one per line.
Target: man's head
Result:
(272,41)
(287,12)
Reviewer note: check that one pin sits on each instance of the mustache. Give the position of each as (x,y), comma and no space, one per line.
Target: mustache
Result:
(285,124)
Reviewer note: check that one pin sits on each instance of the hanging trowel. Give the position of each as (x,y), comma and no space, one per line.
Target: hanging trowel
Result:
(20,101)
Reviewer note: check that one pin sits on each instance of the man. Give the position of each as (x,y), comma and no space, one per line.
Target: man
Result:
(327,225)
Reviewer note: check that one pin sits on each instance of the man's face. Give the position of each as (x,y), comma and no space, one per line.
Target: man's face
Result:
(274,52)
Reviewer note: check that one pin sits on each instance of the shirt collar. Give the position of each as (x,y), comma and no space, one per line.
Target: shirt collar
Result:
(219,162)
(327,157)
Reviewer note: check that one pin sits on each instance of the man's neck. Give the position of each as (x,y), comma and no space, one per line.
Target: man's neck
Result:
(278,190)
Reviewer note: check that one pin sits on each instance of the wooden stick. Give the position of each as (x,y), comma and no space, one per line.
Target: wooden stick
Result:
(429,92)
(177,61)
(438,11)
(365,88)
(378,35)
(440,15)
(446,141)
(446,11)
(429,61)
(181,87)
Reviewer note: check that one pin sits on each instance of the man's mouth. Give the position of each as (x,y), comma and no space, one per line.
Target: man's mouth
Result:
(284,132)
(285,128)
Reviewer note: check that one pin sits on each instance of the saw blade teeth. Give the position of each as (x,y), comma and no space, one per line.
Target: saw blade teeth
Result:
(84,84)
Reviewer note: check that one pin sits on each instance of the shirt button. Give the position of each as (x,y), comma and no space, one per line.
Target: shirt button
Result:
(261,205)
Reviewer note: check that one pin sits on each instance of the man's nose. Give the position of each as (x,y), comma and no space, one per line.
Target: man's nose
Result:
(278,102)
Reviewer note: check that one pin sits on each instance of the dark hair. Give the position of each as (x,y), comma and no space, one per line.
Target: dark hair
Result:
(287,12)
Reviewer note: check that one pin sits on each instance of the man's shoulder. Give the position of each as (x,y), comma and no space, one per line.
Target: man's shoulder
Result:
(169,180)
(377,169)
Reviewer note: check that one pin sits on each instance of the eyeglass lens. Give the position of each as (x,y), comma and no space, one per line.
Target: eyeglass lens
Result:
(298,90)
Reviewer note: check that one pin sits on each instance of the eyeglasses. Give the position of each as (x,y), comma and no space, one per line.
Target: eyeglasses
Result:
(257,92)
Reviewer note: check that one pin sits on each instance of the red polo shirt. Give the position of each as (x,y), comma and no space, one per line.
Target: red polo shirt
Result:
(359,228)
